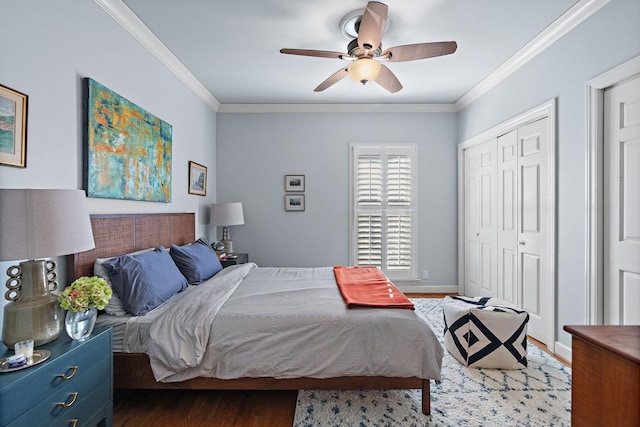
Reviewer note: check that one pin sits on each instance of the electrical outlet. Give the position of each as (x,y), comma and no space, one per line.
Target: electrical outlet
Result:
(425,274)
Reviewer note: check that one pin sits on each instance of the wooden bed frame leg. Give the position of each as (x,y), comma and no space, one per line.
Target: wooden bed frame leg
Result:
(426,397)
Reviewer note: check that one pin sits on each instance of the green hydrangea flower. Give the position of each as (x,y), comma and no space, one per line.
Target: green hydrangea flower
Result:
(84,293)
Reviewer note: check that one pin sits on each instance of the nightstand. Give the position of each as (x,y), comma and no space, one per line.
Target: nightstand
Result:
(73,387)
(230,260)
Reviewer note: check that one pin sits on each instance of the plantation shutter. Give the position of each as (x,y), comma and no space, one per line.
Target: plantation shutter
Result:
(383,209)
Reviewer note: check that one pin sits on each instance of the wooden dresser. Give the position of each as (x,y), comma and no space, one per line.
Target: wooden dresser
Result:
(605,388)
(74,387)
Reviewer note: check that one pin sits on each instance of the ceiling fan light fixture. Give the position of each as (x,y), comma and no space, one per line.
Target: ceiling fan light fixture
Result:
(365,29)
(364,69)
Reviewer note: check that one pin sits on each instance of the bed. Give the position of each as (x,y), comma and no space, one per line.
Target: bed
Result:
(116,235)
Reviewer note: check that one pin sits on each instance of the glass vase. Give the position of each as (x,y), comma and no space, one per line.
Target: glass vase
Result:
(79,324)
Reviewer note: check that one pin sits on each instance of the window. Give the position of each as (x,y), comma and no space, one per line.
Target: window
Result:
(383,203)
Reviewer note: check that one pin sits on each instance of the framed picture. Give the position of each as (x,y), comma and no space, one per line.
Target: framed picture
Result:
(13,128)
(197,179)
(127,149)
(294,202)
(294,183)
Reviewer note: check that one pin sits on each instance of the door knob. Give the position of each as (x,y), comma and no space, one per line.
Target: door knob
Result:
(522,242)
(478,234)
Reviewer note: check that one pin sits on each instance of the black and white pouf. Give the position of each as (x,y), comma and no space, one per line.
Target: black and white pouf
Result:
(483,332)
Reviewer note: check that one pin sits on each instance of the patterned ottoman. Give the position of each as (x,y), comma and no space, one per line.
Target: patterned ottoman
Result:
(483,332)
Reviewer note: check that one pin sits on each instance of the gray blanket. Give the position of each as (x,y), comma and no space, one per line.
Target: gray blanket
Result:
(281,323)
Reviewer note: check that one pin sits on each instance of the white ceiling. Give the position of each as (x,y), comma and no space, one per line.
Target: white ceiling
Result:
(232,47)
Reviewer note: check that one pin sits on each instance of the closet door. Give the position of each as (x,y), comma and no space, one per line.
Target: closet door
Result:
(533,226)
(508,217)
(480,220)
(508,229)
(522,229)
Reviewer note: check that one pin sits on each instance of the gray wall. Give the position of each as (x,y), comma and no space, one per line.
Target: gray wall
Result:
(256,151)
(605,40)
(48,48)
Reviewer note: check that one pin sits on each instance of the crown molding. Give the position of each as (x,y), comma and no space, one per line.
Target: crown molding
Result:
(337,108)
(577,14)
(134,26)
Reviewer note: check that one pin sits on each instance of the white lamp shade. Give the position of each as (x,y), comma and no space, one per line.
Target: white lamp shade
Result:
(43,223)
(227,214)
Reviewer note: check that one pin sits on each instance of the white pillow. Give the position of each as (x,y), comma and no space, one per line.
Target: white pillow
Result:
(114,307)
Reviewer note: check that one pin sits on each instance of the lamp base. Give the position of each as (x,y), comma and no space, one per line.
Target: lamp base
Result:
(226,240)
(228,246)
(33,313)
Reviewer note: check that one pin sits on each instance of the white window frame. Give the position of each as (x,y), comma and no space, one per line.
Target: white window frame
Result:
(384,149)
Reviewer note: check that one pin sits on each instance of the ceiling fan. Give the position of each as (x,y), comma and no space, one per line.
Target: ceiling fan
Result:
(365,52)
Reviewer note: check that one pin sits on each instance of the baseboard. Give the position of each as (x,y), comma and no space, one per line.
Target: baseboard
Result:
(563,351)
(427,289)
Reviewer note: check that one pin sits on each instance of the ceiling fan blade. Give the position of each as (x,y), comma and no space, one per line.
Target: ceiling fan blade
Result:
(317,53)
(388,80)
(333,79)
(411,52)
(372,25)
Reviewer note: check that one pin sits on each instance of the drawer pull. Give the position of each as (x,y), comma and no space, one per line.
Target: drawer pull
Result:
(69,374)
(73,423)
(74,396)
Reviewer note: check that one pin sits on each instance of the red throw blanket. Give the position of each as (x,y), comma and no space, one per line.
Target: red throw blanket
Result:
(369,287)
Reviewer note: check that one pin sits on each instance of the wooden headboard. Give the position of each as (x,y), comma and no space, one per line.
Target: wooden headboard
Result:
(120,234)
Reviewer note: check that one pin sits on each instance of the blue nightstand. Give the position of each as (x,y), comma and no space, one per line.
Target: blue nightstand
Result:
(73,387)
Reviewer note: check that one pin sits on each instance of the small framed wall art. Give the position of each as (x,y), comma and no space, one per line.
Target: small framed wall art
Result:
(294,202)
(13,128)
(197,179)
(294,183)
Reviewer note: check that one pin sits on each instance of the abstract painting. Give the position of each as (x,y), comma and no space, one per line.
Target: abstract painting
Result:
(13,128)
(128,149)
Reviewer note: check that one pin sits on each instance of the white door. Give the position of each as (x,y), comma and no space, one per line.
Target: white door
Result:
(508,220)
(508,217)
(533,236)
(622,204)
(522,223)
(480,220)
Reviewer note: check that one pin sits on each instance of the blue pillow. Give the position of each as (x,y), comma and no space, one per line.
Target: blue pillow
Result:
(146,280)
(197,261)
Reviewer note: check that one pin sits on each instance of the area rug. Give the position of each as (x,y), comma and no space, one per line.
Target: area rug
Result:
(537,396)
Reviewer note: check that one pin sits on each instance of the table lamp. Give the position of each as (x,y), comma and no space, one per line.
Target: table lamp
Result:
(36,224)
(226,214)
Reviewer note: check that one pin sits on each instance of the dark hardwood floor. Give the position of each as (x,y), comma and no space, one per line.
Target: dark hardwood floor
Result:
(204,408)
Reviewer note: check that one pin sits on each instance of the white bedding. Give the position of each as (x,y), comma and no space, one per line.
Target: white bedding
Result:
(282,323)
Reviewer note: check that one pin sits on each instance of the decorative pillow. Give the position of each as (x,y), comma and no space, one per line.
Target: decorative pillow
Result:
(114,307)
(197,261)
(146,280)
